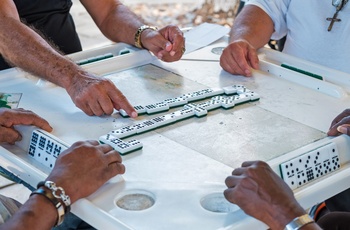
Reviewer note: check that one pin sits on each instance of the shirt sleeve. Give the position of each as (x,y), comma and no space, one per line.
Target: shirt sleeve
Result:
(277,10)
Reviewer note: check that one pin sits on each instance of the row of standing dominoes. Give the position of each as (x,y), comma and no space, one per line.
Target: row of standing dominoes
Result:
(184,99)
(310,166)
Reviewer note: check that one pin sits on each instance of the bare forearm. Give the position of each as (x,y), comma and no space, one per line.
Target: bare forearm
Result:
(24,48)
(115,20)
(252,25)
(37,213)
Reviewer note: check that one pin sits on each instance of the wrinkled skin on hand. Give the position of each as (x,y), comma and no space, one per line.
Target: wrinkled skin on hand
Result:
(167,43)
(262,194)
(85,167)
(239,57)
(97,96)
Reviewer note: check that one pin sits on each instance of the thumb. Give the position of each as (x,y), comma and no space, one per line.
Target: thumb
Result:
(345,129)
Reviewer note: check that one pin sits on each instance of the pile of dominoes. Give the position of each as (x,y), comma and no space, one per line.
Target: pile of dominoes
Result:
(226,98)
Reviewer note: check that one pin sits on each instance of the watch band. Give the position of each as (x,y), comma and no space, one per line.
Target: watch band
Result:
(138,33)
(299,222)
(58,205)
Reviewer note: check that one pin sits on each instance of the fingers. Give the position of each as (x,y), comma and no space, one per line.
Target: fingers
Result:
(9,135)
(120,102)
(167,43)
(11,117)
(340,124)
(115,165)
(345,129)
(99,96)
(238,58)
(342,115)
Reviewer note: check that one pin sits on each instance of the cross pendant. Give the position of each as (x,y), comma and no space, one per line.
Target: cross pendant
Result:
(333,19)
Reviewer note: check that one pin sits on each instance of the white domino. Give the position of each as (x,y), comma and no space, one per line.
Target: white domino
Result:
(177,101)
(310,166)
(228,103)
(145,126)
(242,90)
(183,114)
(200,112)
(232,89)
(164,120)
(195,96)
(253,96)
(45,147)
(240,98)
(138,108)
(219,98)
(119,145)
(190,106)
(212,92)
(210,105)
(123,132)
(157,107)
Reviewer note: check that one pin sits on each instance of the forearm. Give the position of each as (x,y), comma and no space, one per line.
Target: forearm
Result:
(283,214)
(115,20)
(24,48)
(37,213)
(252,25)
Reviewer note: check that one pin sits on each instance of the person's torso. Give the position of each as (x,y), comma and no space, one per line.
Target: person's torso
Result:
(308,36)
(53,21)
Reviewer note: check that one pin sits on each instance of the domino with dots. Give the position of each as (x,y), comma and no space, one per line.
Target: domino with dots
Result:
(121,146)
(123,132)
(45,147)
(310,166)
(138,108)
(157,107)
(177,101)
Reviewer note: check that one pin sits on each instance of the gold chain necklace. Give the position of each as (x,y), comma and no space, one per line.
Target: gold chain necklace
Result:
(338,4)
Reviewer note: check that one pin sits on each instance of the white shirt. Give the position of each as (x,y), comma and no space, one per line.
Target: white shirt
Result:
(304,22)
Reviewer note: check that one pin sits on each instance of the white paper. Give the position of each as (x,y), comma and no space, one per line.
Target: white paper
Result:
(204,35)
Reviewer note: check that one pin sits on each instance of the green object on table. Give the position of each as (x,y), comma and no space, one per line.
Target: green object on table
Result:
(319,77)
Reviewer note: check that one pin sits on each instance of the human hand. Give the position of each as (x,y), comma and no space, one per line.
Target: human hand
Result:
(11,117)
(239,57)
(262,194)
(340,124)
(97,96)
(85,167)
(168,43)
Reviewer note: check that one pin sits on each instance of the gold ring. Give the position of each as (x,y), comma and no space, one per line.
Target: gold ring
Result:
(183,50)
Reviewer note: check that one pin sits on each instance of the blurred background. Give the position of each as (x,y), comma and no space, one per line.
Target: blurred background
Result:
(184,13)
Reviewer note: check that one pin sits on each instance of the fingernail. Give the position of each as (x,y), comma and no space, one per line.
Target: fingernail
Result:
(342,129)
(134,114)
(172,53)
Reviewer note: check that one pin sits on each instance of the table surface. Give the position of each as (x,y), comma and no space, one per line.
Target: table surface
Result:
(182,164)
